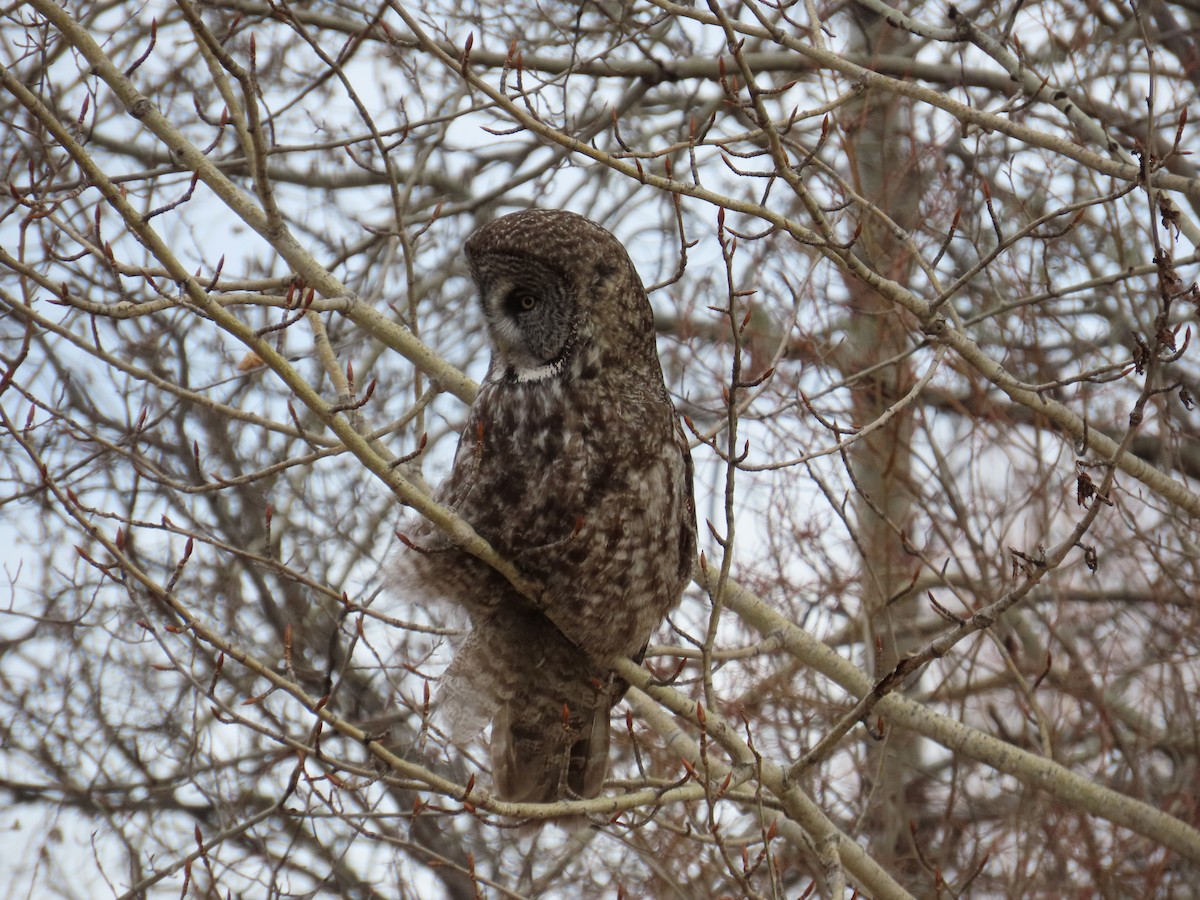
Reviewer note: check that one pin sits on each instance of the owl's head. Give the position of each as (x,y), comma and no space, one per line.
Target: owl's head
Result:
(556,287)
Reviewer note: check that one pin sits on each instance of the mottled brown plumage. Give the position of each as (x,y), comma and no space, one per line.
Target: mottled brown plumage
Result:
(573,465)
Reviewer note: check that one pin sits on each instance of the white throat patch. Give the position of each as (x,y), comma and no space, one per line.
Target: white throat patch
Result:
(537,373)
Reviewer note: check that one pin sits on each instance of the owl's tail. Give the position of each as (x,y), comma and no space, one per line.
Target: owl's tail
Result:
(548,704)
(533,764)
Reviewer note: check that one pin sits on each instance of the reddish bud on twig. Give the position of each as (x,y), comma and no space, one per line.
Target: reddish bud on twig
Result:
(724,786)
(141,59)
(466,54)
(1045,671)
(212,283)
(407,542)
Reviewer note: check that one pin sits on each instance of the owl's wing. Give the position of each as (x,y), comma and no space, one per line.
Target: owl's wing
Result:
(429,565)
(452,493)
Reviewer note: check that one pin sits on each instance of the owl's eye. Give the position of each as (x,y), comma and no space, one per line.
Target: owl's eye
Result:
(522,302)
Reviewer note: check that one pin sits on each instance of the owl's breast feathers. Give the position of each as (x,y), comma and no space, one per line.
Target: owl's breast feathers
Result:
(586,485)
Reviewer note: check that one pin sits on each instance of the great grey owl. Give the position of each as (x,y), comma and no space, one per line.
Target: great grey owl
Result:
(573,465)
